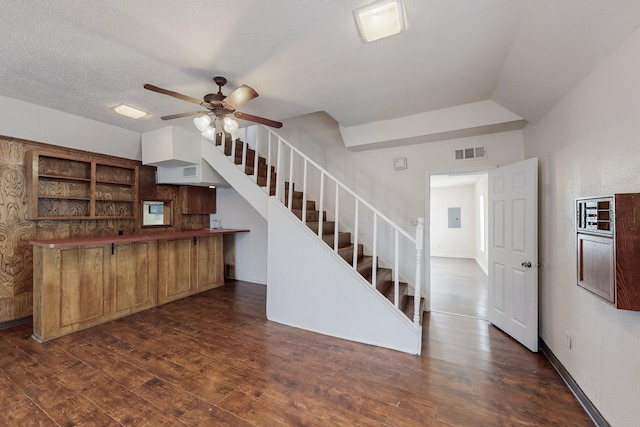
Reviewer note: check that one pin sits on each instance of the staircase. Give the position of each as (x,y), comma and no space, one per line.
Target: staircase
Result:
(384,276)
(322,278)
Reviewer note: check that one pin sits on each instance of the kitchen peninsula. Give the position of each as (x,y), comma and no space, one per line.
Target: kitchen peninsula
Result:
(82,282)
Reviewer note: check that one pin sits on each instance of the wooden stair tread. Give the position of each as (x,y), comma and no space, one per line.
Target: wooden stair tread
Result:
(328,227)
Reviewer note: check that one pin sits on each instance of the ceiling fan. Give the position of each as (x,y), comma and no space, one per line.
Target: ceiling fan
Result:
(217,104)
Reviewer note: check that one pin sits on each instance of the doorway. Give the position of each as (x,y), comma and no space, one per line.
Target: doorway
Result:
(458,243)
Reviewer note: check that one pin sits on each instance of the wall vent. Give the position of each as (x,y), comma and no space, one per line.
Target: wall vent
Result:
(471,153)
(189,171)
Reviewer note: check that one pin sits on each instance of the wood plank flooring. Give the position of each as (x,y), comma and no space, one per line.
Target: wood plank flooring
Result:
(214,359)
(459,286)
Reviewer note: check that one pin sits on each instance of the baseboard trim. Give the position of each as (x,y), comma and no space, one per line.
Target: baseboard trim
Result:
(588,406)
(17,322)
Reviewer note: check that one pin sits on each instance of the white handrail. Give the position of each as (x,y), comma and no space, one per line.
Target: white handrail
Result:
(340,188)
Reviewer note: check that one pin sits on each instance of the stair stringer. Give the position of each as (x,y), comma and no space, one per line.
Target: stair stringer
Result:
(310,287)
(235,176)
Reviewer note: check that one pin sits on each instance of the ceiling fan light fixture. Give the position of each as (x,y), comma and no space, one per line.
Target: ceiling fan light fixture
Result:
(209,133)
(129,111)
(230,125)
(202,122)
(380,19)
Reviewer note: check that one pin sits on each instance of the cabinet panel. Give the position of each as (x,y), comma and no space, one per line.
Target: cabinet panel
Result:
(135,277)
(209,266)
(197,200)
(174,269)
(595,265)
(82,286)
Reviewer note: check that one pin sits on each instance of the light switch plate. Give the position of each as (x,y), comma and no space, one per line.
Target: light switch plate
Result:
(400,163)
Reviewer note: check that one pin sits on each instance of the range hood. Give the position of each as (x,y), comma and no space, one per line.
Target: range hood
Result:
(177,155)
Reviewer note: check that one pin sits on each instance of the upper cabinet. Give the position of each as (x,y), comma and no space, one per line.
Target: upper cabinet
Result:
(73,187)
(197,200)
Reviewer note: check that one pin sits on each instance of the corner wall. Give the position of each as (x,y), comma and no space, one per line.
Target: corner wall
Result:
(589,145)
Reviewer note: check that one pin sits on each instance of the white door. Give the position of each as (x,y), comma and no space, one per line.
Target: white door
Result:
(513,251)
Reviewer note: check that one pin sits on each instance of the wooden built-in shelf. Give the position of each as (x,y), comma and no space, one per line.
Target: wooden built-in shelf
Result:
(608,248)
(73,187)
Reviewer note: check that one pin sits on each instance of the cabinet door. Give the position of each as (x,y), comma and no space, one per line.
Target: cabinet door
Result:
(134,277)
(209,267)
(197,200)
(83,286)
(174,269)
(596,265)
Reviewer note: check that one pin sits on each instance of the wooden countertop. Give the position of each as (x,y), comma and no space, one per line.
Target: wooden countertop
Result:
(128,238)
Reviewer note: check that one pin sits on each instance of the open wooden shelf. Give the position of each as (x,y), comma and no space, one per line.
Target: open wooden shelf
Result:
(73,187)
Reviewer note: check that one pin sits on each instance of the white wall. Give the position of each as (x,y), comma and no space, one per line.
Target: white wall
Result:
(453,242)
(247,251)
(589,144)
(24,120)
(311,288)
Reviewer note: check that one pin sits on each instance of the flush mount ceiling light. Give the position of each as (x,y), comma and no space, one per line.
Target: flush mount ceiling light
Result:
(380,19)
(129,111)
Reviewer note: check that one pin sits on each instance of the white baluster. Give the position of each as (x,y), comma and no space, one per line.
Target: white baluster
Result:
(244,156)
(291,154)
(233,150)
(419,255)
(321,207)
(256,155)
(374,264)
(304,192)
(335,231)
(396,273)
(269,164)
(279,181)
(355,238)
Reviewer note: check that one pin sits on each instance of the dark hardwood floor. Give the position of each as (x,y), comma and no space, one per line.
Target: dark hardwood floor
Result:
(215,360)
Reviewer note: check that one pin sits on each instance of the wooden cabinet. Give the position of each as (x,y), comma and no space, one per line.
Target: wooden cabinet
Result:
(188,266)
(82,282)
(197,200)
(78,287)
(72,187)
(608,248)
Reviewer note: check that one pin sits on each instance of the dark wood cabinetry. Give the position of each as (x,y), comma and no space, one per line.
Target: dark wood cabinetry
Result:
(63,187)
(197,200)
(608,248)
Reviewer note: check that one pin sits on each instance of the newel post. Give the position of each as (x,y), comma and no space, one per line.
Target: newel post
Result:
(419,262)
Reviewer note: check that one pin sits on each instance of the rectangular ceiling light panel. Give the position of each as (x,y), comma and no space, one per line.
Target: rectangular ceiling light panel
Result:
(129,111)
(380,19)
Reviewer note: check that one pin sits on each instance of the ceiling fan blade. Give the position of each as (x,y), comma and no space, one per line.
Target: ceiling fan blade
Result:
(239,97)
(172,93)
(177,116)
(258,119)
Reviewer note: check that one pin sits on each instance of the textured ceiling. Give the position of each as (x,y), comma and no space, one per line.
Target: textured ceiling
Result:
(84,57)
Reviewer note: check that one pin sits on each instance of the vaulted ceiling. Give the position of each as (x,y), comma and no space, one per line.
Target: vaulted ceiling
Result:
(84,57)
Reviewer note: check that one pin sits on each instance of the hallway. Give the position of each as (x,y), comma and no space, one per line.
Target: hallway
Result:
(458,286)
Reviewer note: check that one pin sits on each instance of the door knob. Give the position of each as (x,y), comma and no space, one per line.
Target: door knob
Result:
(526,264)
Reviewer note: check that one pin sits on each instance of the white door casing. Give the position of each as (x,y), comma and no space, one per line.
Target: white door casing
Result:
(513,251)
